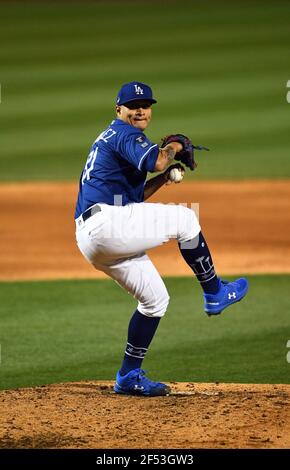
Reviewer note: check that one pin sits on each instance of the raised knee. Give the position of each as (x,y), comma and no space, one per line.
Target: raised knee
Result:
(188,214)
(189,224)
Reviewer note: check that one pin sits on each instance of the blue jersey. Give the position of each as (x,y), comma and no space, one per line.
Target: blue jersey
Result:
(116,168)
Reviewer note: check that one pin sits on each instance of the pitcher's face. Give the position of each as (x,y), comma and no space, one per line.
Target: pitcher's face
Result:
(137,113)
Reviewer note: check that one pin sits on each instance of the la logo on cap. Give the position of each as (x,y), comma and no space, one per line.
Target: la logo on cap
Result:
(138,90)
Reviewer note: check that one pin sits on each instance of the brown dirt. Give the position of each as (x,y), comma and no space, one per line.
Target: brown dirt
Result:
(90,415)
(246,223)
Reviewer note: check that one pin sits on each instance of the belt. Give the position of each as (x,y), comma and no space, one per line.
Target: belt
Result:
(91,211)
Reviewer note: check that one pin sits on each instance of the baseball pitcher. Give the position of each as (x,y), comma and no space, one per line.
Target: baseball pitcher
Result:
(115,227)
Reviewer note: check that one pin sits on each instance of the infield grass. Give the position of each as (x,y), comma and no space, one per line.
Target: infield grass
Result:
(76,330)
(219,70)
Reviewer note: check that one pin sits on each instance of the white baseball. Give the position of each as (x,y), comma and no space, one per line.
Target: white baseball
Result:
(175,175)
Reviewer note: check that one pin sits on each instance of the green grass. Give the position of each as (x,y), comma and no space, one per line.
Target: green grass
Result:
(76,330)
(219,70)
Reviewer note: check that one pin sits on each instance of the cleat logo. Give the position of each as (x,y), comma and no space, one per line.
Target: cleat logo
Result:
(232,296)
(138,387)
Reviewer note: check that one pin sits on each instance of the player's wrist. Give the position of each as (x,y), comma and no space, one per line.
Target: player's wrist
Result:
(165,175)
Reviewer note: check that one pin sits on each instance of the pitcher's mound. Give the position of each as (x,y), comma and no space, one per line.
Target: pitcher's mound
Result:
(195,415)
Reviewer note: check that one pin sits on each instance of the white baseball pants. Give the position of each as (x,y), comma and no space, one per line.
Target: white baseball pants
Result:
(115,240)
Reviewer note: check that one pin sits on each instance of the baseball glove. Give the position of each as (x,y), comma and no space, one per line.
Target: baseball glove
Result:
(186,156)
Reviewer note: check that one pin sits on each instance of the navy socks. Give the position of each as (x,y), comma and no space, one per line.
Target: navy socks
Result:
(140,333)
(197,255)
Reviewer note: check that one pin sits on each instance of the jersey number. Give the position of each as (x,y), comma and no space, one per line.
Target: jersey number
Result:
(90,164)
(93,153)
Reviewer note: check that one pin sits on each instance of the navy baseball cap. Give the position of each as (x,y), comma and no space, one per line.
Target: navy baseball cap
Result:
(134,91)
